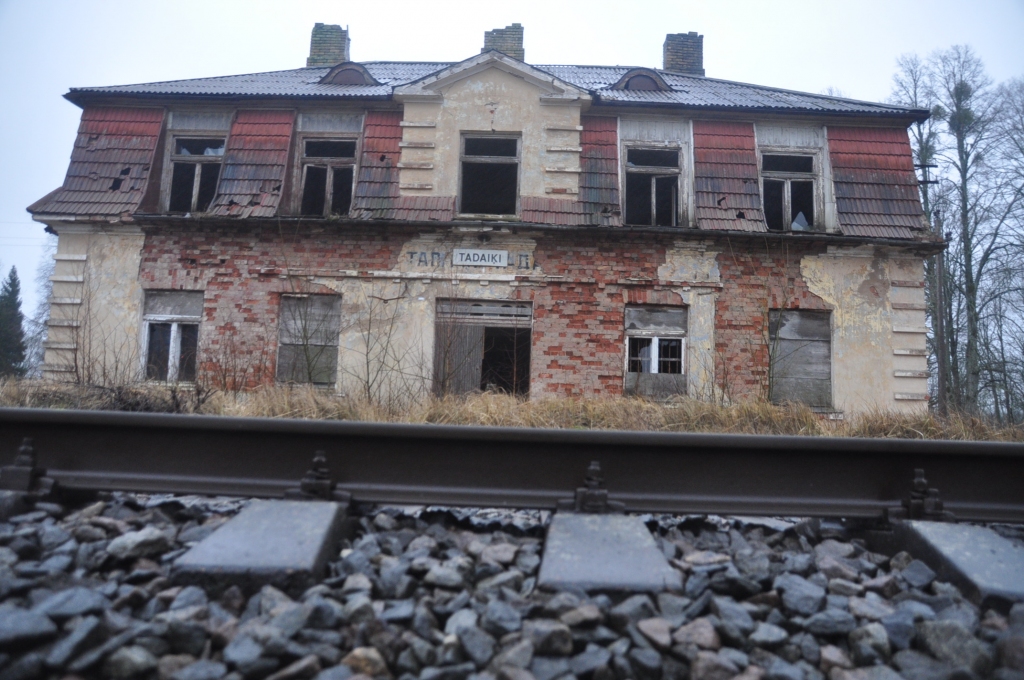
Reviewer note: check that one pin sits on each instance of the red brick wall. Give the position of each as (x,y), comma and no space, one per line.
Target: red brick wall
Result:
(578,338)
(755,278)
(239,268)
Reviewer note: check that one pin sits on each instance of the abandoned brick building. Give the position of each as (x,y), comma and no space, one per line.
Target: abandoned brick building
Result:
(386,227)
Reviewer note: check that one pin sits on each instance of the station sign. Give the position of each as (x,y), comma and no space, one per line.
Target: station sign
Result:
(467,257)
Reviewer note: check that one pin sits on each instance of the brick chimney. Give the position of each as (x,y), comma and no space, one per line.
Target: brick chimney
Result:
(328,46)
(508,40)
(684,53)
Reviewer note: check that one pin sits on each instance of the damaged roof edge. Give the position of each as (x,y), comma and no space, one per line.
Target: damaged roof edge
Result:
(82,99)
(142,220)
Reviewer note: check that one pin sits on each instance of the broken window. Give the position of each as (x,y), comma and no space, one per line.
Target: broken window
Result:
(171,320)
(652,187)
(195,164)
(789,196)
(800,349)
(308,333)
(328,167)
(480,346)
(490,175)
(655,350)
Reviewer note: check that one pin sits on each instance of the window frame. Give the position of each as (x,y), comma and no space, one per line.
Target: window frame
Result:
(815,177)
(777,371)
(280,344)
(302,163)
(656,336)
(503,160)
(174,349)
(655,172)
(170,158)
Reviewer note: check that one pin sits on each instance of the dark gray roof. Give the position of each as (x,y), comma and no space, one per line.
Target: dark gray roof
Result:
(687,91)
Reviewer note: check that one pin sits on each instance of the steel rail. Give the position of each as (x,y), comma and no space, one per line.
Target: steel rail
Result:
(513,467)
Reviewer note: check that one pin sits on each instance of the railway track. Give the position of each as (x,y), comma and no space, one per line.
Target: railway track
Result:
(524,468)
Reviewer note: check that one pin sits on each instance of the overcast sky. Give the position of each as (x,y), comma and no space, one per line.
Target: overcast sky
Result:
(48,46)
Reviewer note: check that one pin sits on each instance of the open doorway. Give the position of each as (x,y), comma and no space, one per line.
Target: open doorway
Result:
(480,346)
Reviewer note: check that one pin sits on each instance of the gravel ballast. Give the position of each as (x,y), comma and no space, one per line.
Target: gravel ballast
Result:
(451,594)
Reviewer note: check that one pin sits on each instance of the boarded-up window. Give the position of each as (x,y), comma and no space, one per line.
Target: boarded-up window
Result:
(800,345)
(308,333)
(171,321)
(482,345)
(655,351)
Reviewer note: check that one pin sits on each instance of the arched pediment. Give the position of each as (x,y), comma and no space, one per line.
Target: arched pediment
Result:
(550,87)
(349,73)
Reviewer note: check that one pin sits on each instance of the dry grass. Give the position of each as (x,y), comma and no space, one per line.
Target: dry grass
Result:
(684,415)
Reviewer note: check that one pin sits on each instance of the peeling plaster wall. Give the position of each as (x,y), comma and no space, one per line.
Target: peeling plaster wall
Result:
(856,283)
(689,263)
(578,285)
(490,101)
(96,306)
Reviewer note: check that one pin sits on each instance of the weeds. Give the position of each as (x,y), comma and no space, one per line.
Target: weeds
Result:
(501,410)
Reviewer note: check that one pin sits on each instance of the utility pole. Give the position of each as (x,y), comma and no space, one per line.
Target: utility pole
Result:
(937,283)
(938,295)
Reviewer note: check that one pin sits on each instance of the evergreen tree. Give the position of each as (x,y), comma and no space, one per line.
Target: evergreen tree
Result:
(12,334)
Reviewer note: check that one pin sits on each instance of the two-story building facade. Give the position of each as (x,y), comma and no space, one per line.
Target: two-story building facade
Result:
(401,228)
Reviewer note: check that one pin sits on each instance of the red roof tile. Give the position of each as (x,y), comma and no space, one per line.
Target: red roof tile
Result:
(377,184)
(110,163)
(599,161)
(254,164)
(726,190)
(875,183)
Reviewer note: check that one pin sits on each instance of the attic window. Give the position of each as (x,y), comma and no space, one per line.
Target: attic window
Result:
(349,73)
(195,171)
(790,197)
(348,76)
(652,187)
(328,167)
(490,175)
(641,83)
(642,79)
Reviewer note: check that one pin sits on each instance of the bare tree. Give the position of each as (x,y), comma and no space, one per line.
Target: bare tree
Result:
(969,153)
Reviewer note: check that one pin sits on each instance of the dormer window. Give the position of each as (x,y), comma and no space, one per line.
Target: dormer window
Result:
(328,167)
(490,175)
(652,187)
(642,79)
(195,171)
(349,73)
(788,183)
(641,83)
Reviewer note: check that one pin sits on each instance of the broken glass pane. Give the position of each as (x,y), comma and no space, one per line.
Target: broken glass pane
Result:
(330,149)
(638,199)
(670,355)
(491,146)
(199,147)
(773,204)
(189,346)
(802,203)
(640,355)
(649,318)
(779,163)
(183,179)
(665,189)
(207,185)
(314,191)
(654,158)
(489,188)
(159,351)
(341,190)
